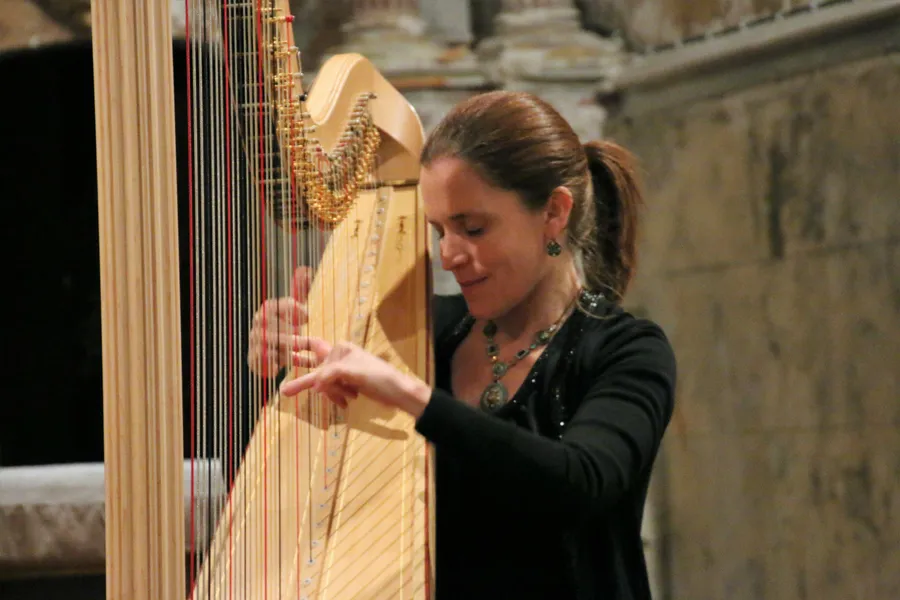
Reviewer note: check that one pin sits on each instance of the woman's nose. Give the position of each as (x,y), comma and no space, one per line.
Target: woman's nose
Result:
(452,254)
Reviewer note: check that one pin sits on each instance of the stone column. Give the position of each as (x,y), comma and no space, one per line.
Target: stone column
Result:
(393,35)
(544,39)
(540,46)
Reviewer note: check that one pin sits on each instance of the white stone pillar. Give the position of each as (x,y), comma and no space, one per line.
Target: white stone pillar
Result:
(543,39)
(393,35)
(450,20)
(540,46)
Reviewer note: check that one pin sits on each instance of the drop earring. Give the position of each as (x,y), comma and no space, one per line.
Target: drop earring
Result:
(553,248)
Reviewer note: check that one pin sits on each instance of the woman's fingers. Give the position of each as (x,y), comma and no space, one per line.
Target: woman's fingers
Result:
(334,380)
(295,386)
(269,351)
(276,344)
(320,378)
(338,388)
(337,392)
(274,334)
(317,346)
(287,311)
(315,380)
(305,361)
(278,351)
(278,338)
(300,283)
(292,311)
(330,379)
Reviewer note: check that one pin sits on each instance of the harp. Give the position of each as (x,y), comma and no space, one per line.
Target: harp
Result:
(316,502)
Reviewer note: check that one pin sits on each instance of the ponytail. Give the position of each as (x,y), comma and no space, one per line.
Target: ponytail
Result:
(610,258)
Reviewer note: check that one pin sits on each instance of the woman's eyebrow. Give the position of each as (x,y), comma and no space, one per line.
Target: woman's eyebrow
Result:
(466,215)
(462,216)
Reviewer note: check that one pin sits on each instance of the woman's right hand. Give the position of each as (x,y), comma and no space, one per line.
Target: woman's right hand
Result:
(276,328)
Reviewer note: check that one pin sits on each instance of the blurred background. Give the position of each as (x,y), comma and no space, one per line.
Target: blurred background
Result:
(769,141)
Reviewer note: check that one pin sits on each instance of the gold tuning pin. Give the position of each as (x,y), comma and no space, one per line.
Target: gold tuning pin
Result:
(281,19)
(288,106)
(285,52)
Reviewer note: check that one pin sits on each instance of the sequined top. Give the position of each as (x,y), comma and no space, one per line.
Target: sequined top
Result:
(544,497)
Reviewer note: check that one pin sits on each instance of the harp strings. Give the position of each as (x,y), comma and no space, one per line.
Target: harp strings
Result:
(251,230)
(221,276)
(220,244)
(236,166)
(192,326)
(201,222)
(230,90)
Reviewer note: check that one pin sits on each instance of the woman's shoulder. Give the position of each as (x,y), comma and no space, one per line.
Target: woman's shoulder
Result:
(611,334)
(447,312)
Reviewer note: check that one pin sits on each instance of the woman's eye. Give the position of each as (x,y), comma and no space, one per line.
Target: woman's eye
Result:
(475,231)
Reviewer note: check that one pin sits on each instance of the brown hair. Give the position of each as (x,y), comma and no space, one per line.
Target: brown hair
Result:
(520,143)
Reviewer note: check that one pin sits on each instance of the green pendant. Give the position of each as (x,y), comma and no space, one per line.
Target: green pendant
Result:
(494,396)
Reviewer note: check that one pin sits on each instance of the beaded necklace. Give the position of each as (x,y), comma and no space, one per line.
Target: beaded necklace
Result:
(496,394)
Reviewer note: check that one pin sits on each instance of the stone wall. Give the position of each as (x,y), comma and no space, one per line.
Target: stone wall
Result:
(772,258)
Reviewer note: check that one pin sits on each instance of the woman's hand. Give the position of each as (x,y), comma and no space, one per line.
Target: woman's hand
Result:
(276,328)
(345,371)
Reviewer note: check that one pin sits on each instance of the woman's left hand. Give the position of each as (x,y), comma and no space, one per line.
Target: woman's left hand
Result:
(345,370)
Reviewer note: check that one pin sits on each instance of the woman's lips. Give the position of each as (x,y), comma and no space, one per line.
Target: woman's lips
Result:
(471,282)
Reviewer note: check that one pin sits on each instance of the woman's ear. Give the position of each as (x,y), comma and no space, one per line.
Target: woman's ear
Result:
(558,211)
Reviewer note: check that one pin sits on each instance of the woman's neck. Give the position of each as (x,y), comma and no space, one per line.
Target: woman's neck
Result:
(543,307)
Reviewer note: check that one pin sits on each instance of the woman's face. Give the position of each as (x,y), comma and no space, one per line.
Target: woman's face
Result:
(493,245)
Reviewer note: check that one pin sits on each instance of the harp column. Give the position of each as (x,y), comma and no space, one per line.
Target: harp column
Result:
(540,46)
(139,292)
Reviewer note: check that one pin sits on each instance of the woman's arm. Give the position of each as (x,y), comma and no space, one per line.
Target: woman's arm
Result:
(607,446)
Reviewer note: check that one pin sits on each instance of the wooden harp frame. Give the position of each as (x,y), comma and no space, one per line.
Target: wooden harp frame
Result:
(140,301)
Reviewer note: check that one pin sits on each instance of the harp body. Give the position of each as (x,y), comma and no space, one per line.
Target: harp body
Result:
(321,503)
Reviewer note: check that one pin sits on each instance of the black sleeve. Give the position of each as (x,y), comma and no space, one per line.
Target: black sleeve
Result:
(608,445)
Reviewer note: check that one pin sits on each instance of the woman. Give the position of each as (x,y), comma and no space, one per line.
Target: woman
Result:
(550,400)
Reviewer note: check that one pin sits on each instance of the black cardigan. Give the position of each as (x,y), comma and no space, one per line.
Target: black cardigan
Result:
(544,499)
